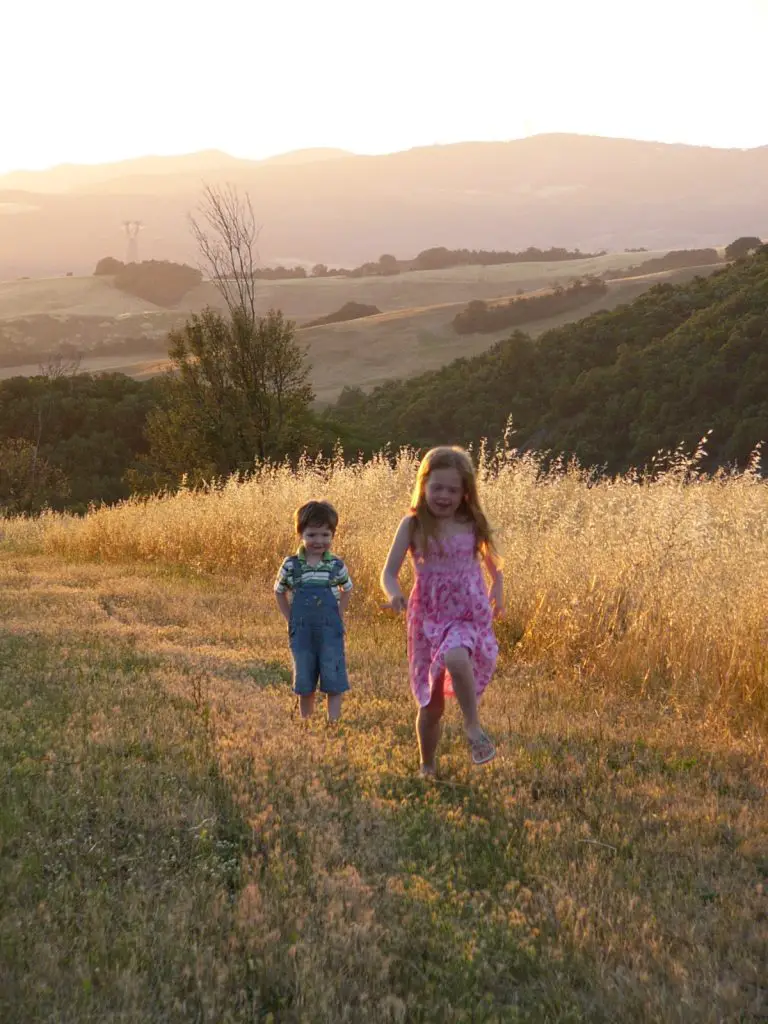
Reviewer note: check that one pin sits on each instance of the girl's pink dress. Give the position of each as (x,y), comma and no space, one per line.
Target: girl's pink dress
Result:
(448,608)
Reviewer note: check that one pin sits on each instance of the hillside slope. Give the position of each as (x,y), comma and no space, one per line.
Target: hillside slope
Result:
(368,352)
(359,353)
(611,388)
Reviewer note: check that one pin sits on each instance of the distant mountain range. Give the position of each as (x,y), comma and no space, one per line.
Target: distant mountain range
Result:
(334,207)
(84,177)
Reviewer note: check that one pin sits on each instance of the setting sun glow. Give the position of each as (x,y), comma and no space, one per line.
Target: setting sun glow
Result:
(85,83)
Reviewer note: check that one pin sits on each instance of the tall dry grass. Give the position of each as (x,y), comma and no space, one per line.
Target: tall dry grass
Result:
(658,585)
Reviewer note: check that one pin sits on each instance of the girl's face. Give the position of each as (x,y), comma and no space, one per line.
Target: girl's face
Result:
(444,492)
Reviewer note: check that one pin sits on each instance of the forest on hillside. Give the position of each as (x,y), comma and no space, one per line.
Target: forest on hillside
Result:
(611,390)
(480,317)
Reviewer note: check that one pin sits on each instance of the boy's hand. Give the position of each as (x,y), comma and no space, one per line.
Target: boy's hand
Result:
(396,604)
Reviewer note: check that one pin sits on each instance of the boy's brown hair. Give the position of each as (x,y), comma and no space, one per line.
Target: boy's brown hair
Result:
(316,513)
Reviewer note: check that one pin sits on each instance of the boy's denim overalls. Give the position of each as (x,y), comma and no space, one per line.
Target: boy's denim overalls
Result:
(316,634)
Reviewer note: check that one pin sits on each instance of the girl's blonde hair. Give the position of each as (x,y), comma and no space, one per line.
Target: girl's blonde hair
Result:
(450,457)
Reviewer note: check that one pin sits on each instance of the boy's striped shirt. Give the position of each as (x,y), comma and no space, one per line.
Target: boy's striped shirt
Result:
(297,572)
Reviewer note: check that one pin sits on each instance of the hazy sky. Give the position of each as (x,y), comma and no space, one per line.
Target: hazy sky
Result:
(85,81)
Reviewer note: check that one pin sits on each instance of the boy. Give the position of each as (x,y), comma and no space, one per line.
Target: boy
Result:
(320,587)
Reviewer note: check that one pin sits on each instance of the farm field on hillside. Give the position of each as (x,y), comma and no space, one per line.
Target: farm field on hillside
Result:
(403,343)
(312,297)
(398,343)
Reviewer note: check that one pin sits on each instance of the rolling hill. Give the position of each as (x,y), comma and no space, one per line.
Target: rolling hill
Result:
(612,388)
(594,193)
(402,341)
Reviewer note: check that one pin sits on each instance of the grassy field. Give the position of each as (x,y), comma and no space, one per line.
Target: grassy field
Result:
(401,342)
(175,846)
(66,296)
(140,367)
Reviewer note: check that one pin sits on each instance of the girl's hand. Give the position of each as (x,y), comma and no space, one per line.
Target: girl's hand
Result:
(496,598)
(396,604)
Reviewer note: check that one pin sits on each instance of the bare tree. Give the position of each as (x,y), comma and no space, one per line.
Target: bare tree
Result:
(239,391)
(59,366)
(227,234)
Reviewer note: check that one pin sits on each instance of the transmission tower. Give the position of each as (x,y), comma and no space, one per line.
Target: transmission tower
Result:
(132,229)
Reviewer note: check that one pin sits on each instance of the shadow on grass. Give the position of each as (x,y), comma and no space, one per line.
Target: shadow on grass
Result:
(576,879)
(120,843)
(584,878)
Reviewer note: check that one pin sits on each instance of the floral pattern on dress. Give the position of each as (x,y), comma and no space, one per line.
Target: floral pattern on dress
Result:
(449,608)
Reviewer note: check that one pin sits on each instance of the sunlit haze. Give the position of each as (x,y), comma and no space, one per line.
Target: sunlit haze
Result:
(86,82)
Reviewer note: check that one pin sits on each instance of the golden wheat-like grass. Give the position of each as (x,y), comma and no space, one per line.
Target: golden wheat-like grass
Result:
(658,585)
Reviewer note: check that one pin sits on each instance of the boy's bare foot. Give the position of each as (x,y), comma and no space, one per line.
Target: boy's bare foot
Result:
(427,771)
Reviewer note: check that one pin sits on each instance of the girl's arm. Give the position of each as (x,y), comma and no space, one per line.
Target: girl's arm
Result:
(390,583)
(493,565)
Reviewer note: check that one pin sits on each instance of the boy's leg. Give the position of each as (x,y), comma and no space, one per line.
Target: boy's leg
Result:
(428,729)
(306,669)
(334,682)
(334,706)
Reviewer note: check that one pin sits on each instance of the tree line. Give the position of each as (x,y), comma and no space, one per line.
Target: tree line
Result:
(481,317)
(435,258)
(677,259)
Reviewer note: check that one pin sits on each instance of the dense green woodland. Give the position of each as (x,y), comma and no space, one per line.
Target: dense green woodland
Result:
(87,429)
(612,389)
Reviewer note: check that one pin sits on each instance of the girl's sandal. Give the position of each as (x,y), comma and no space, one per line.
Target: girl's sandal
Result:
(482,748)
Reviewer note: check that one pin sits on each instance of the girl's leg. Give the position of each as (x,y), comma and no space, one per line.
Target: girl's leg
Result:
(334,706)
(307,705)
(428,729)
(459,665)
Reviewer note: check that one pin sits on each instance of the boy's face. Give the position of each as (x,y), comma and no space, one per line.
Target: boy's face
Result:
(317,539)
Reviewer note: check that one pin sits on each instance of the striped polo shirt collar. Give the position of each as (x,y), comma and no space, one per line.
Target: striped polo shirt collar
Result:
(301,554)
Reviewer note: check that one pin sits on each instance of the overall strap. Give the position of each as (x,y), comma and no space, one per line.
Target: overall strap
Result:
(295,571)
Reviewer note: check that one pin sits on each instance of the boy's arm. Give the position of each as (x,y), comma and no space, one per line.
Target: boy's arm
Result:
(282,586)
(343,582)
(283,604)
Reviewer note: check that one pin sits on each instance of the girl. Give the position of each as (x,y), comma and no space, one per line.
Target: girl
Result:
(451,646)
